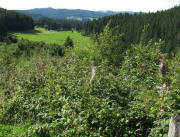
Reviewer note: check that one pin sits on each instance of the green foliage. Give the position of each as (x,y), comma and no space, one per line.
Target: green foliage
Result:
(53,96)
(111,46)
(4,130)
(3,30)
(27,48)
(161,25)
(141,64)
(15,130)
(62,25)
(13,21)
(144,34)
(56,50)
(68,42)
(173,75)
(161,128)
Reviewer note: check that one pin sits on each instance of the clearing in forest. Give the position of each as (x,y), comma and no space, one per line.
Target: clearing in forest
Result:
(58,37)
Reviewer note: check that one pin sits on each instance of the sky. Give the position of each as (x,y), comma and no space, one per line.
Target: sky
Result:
(94,5)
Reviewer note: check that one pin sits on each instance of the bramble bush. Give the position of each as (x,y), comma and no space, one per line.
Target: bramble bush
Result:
(110,46)
(53,94)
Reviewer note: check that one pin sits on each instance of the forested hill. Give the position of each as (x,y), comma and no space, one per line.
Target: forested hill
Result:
(77,14)
(13,21)
(163,25)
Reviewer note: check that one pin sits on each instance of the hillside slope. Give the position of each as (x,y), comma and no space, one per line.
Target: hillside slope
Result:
(66,13)
(164,25)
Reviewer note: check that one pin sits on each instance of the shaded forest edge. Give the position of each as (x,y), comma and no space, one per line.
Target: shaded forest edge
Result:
(13,21)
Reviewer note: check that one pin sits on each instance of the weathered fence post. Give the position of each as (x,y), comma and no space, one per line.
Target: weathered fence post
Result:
(174,126)
(93,71)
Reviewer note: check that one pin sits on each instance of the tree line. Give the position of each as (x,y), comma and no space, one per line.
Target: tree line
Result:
(13,21)
(164,25)
(58,24)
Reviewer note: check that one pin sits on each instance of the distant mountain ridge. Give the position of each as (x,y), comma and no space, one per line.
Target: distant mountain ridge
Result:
(76,14)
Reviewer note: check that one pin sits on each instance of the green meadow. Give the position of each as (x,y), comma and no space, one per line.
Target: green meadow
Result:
(58,37)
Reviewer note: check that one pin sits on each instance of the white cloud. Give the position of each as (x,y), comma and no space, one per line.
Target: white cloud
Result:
(116,5)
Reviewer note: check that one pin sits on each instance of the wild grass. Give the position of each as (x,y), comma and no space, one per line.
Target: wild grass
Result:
(58,37)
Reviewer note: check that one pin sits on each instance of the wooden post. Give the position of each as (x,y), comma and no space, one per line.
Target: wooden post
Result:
(161,65)
(93,71)
(174,126)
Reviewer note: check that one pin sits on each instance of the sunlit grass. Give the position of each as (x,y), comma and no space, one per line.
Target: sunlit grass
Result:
(59,37)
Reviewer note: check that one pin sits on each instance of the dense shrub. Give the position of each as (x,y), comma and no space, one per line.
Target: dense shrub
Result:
(28,48)
(68,42)
(54,94)
(111,47)
(55,50)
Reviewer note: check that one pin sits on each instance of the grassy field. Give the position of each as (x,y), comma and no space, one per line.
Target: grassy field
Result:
(40,34)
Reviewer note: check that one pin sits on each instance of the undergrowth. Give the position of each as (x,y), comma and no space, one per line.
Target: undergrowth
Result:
(45,91)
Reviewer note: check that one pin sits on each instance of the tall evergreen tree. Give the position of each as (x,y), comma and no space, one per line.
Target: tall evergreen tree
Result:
(164,25)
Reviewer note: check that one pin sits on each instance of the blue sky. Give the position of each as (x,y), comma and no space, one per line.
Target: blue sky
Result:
(96,5)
